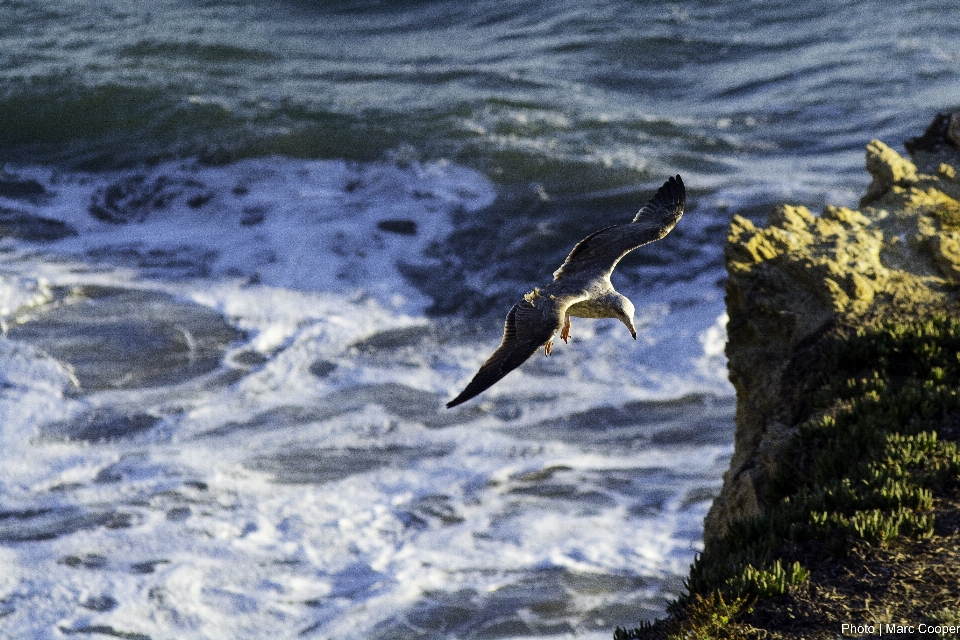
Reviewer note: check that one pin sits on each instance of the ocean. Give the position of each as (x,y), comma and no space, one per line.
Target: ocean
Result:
(248,250)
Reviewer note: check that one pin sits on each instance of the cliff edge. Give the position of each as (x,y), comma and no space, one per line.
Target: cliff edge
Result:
(842,502)
(799,275)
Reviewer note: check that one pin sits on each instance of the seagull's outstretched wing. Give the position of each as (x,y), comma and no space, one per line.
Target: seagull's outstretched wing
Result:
(530,324)
(599,253)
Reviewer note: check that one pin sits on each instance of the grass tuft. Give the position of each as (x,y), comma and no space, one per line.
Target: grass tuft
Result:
(767,583)
(704,617)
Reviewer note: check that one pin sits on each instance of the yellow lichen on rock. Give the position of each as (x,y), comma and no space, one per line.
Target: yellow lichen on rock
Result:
(888,169)
(946,249)
(834,257)
(800,273)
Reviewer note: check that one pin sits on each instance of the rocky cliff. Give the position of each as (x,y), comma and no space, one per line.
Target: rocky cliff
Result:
(842,502)
(800,274)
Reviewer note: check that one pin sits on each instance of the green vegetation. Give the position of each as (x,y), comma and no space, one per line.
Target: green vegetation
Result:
(704,617)
(945,618)
(862,470)
(774,581)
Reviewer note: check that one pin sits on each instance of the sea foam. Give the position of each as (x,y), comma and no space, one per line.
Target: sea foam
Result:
(313,483)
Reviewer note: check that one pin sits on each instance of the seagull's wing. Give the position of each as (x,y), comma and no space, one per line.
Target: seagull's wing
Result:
(530,324)
(600,252)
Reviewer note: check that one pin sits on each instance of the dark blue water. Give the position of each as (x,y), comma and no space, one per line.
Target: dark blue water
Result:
(598,95)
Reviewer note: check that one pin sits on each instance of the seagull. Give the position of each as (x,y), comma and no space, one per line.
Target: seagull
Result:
(581,287)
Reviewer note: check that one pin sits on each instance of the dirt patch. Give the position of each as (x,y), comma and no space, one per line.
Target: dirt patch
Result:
(907,583)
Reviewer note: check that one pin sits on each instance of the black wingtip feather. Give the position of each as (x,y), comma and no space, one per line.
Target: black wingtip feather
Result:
(671,193)
(511,353)
(463,397)
(667,204)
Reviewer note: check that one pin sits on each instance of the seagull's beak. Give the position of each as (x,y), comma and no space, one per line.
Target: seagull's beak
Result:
(626,317)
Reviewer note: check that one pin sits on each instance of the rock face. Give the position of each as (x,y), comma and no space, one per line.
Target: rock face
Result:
(794,278)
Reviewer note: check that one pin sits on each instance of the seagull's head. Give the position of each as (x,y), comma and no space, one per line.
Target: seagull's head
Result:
(624,309)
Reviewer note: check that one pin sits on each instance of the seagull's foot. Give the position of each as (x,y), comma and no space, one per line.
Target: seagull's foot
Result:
(565,332)
(548,348)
